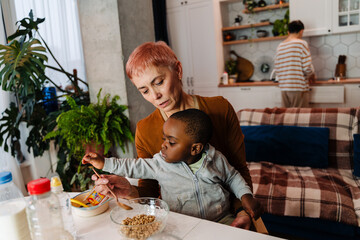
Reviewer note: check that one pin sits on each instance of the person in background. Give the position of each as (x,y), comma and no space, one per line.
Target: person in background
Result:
(157,73)
(194,177)
(293,67)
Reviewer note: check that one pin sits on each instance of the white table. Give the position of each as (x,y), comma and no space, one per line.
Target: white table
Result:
(182,226)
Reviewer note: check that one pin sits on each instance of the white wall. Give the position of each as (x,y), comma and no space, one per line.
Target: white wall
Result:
(7,162)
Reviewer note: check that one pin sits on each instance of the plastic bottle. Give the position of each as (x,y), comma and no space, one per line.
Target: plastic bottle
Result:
(65,204)
(43,212)
(225,78)
(13,224)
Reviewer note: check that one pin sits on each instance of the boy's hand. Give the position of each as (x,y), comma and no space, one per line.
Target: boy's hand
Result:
(252,206)
(94,159)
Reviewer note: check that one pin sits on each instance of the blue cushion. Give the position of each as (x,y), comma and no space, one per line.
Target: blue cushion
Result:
(357,155)
(287,145)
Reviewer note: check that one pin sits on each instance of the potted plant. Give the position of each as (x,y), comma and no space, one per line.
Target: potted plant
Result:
(96,127)
(250,5)
(230,68)
(280,27)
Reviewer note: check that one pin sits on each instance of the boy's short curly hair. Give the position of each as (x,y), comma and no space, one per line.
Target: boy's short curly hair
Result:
(198,124)
(295,26)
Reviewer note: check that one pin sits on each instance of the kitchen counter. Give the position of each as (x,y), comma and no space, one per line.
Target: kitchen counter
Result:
(272,83)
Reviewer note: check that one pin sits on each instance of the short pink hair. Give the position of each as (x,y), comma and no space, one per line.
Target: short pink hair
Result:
(157,54)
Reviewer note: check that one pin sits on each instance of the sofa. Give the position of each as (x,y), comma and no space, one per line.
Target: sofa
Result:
(302,163)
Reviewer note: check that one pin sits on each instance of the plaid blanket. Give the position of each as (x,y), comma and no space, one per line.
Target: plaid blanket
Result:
(332,193)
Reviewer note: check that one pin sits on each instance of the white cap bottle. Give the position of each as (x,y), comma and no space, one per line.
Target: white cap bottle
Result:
(13,224)
(43,212)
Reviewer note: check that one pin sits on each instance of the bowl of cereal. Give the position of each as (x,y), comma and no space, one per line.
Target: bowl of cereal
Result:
(147,217)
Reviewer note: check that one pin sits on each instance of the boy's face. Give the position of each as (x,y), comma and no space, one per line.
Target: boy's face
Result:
(177,144)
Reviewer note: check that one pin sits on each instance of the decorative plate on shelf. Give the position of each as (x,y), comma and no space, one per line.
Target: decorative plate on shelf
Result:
(244,68)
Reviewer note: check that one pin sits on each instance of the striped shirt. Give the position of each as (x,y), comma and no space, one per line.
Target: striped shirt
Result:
(293,65)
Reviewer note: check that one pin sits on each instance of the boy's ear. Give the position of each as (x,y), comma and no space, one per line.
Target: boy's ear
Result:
(196,148)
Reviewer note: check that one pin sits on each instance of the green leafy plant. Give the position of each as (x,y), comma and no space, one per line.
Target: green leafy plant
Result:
(103,123)
(280,27)
(23,62)
(230,67)
(250,5)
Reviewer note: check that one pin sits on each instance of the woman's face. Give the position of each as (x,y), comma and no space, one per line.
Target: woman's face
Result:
(161,87)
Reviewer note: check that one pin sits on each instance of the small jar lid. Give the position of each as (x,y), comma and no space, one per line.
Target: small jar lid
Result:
(5,177)
(39,186)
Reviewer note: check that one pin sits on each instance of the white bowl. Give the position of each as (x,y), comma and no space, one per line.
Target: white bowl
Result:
(88,211)
(147,206)
(261,33)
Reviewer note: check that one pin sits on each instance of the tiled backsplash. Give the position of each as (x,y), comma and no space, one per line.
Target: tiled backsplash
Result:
(325,51)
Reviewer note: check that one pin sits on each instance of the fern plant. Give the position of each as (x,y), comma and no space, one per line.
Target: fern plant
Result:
(102,123)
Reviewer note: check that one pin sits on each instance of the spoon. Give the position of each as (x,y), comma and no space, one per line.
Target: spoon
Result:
(78,202)
(122,205)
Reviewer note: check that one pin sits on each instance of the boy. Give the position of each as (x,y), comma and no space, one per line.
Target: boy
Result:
(193,176)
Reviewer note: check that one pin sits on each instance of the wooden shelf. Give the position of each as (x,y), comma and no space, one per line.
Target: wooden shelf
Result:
(261,24)
(254,40)
(269,7)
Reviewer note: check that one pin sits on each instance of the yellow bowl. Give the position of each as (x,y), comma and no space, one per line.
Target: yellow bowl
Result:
(77,205)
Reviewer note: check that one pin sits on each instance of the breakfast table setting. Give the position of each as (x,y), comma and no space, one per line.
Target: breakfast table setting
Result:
(177,226)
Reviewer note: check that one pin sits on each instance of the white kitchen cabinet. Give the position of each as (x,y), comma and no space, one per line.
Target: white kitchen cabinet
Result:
(178,3)
(327,96)
(352,95)
(316,15)
(252,97)
(192,37)
(322,17)
(346,16)
(346,95)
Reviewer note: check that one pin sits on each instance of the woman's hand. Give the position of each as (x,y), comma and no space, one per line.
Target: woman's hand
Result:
(119,185)
(242,220)
(94,159)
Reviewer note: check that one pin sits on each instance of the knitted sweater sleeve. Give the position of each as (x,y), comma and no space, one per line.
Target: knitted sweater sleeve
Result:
(237,156)
(306,61)
(227,135)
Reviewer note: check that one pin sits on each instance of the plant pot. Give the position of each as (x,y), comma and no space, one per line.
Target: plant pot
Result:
(233,78)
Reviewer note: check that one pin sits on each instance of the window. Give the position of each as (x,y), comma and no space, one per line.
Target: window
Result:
(60,30)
